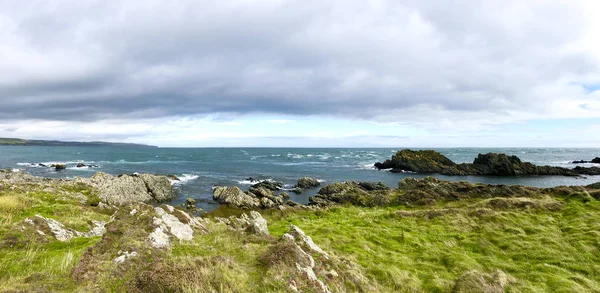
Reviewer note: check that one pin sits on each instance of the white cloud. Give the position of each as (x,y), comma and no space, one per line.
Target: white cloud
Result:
(74,67)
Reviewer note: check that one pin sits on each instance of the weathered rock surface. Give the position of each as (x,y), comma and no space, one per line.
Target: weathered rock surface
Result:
(259,196)
(429,161)
(235,197)
(307,182)
(253,223)
(131,188)
(361,194)
(45,226)
(305,263)
(136,230)
(59,166)
(431,190)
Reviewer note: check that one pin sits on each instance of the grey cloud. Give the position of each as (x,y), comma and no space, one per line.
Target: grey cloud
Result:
(89,60)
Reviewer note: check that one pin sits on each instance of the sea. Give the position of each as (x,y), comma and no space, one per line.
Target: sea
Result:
(200,169)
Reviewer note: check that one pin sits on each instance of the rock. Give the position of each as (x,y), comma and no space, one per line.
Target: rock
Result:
(475,282)
(429,161)
(190,203)
(307,182)
(297,190)
(269,185)
(60,167)
(304,241)
(60,232)
(131,188)
(353,193)
(302,246)
(426,161)
(293,203)
(253,223)
(159,187)
(235,197)
(580,162)
(259,196)
(173,177)
(594,185)
(81,165)
(371,186)
(170,223)
(124,255)
(596,160)
(258,224)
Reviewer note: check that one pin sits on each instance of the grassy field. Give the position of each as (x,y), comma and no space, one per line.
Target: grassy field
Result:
(544,251)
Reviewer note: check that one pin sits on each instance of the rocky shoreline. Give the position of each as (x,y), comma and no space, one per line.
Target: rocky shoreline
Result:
(120,228)
(490,164)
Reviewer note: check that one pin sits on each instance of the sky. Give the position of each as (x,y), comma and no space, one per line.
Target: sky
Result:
(302,73)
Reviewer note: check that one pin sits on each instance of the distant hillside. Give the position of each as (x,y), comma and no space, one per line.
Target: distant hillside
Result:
(28,142)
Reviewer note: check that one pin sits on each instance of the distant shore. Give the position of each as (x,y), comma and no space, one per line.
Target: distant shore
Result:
(30,142)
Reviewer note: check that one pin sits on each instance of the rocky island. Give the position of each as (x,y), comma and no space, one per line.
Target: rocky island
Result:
(119,234)
(429,161)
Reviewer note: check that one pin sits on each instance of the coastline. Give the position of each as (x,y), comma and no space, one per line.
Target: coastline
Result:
(423,235)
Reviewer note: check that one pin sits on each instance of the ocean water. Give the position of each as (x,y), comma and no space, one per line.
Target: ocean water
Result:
(202,168)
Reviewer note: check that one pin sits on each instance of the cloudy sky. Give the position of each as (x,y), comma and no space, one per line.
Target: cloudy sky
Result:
(302,73)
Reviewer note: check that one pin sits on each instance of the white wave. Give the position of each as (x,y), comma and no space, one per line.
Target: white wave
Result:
(86,169)
(16,170)
(254,181)
(185,178)
(295,156)
(370,166)
(321,180)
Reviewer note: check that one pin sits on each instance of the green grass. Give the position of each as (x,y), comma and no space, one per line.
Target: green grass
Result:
(545,251)
(545,244)
(29,261)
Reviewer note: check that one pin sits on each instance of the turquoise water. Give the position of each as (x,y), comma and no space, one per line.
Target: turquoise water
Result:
(202,168)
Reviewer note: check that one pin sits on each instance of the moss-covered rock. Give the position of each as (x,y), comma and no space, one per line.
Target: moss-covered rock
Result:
(361,194)
(307,182)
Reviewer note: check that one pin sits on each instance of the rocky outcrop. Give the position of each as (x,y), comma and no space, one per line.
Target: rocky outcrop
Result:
(307,182)
(594,161)
(431,190)
(235,197)
(59,166)
(253,223)
(47,226)
(361,194)
(259,196)
(137,230)
(131,188)
(429,161)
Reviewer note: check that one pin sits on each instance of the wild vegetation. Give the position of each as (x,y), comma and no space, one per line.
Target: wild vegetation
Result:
(426,235)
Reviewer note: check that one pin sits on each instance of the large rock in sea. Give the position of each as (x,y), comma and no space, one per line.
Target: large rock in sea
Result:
(596,160)
(126,189)
(425,161)
(429,161)
(307,182)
